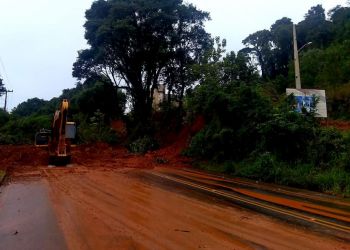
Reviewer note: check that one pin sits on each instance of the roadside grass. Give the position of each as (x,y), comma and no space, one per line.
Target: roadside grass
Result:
(335,180)
(219,168)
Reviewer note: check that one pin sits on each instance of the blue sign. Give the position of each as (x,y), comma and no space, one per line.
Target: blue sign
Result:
(306,102)
(309,100)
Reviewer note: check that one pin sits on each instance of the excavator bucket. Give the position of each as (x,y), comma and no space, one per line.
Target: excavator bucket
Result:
(56,160)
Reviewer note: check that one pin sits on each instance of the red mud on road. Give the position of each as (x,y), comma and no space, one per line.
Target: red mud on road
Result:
(120,209)
(105,200)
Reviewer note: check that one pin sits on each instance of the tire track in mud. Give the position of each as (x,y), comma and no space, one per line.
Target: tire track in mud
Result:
(341,231)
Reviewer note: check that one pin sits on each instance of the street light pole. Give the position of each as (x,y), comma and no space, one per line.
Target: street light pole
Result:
(296,60)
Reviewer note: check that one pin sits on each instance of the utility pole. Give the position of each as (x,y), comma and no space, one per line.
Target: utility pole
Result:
(296,60)
(6,91)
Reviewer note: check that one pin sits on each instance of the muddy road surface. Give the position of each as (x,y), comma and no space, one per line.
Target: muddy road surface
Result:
(111,207)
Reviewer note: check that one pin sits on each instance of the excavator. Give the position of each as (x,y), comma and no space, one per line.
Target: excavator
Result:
(58,139)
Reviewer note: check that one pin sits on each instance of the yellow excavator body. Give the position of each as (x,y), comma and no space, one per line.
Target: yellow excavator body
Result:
(58,139)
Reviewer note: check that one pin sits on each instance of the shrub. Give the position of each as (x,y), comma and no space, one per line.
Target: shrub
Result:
(227,167)
(143,145)
(297,175)
(94,129)
(232,115)
(262,168)
(328,147)
(288,134)
(4,117)
(335,180)
(22,130)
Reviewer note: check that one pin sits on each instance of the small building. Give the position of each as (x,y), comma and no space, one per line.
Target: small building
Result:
(158,97)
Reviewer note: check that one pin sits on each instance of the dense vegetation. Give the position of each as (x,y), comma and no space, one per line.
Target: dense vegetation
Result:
(247,135)
(251,129)
(92,106)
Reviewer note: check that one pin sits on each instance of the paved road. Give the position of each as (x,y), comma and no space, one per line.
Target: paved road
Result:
(27,219)
(103,208)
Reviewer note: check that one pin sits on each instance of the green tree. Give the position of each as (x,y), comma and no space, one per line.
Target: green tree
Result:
(105,98)
(325,67)
(232,117)
(282,37)
(4,117)
(216,67)
(315,28)
(238,68)
(29,107)
(190,45)
(260,45)
(133,42)
(340,18)
(272,48)
(208,70)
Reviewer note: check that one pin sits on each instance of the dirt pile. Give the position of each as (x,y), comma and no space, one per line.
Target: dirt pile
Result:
(171,153)
(100,155)
(23,155)
(338,124)
(104,156)
(22,158)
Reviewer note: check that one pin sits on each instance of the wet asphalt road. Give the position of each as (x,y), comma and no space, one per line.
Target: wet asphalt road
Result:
(27,219)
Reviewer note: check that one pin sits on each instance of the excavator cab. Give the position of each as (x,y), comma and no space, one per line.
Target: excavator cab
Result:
(71,130)
(42,138)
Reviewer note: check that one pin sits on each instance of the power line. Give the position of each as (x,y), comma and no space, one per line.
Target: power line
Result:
(4,70)
(8,82)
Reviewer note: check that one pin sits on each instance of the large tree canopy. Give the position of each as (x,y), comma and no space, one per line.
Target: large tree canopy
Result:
(273,49)
(259,44)
(134,43)
(282,38)
(315,28)
(29,107)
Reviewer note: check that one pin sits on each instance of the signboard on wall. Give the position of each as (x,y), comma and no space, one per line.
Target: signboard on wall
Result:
(305,97)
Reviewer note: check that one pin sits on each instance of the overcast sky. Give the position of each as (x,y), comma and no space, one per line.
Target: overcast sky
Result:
(39,39)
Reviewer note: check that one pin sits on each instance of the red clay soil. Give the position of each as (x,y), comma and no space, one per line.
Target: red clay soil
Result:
(170,153)
(176,143)
(338,124)
(28,157)
(25,155)
(101,154)
(120,127)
